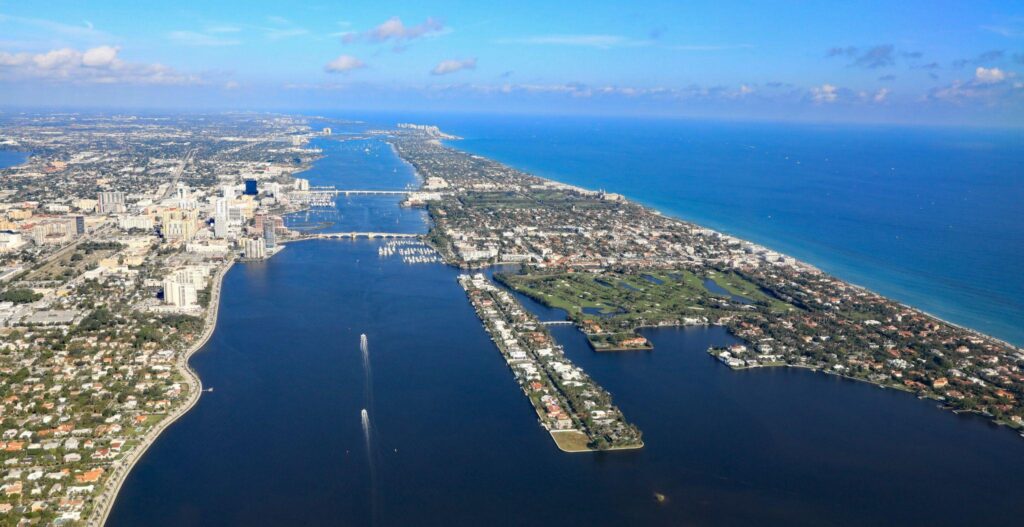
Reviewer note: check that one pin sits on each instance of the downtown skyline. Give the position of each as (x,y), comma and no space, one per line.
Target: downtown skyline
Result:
(954,63)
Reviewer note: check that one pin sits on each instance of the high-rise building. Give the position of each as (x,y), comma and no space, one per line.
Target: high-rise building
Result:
(179,294)
(111,202)
(220,226)
(135,222)
(179,224)
(51,232)
(183,197)
(269,234)
(254,248)
(251,187)
(79,225)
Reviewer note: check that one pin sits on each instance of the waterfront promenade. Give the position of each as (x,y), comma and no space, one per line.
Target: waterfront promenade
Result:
(123,467)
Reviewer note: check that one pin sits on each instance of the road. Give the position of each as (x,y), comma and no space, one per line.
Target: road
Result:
(177,174)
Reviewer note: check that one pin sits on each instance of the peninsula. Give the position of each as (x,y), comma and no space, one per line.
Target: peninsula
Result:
(615,267)
(115,234)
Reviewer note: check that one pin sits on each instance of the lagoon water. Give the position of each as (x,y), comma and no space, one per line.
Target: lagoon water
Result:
(11,158)
(454,442)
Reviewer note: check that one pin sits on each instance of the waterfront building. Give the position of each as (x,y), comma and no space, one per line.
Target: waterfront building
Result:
(269,234)
(254,248)
(179,294)
(194,275)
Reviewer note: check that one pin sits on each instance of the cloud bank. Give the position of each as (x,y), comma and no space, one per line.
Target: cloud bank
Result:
(98,65)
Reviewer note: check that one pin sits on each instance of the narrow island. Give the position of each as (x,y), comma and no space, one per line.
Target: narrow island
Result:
(577,412)
(615,267)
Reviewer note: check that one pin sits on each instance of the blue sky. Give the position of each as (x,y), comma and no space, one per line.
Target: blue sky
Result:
(931,62)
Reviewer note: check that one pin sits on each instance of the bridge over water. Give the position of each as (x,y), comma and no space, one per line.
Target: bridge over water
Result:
(351,236)
(354,192)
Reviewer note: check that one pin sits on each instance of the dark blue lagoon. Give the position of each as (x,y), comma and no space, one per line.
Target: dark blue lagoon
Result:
(452,441)
(12,158)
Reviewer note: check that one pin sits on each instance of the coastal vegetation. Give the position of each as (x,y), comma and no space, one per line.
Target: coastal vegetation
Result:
(579,413)
(609,306)
(614,266)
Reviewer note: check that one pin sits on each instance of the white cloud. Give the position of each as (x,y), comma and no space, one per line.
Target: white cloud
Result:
(344,64)
(58,58)
(989,75)
(989,85)
(194,38)
(394,30)
(881,95)
(100,57)
(451,66)
(826,93)
(98,65)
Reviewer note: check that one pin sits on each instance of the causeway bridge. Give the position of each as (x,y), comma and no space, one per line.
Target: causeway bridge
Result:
(354,192)
(351,236)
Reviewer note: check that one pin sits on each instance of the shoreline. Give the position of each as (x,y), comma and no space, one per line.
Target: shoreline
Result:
(943,404)
(112,488)
(678,217)
(970,332)
(724,230)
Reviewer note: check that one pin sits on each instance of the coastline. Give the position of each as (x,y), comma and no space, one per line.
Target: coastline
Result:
(799,262)
(773,241)
(112,488)
(725,232)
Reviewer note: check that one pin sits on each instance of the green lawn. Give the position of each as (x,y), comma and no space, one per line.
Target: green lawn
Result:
(623,301)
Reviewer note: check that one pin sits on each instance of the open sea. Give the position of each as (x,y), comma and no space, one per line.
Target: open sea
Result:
(449,438)
(932,217)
